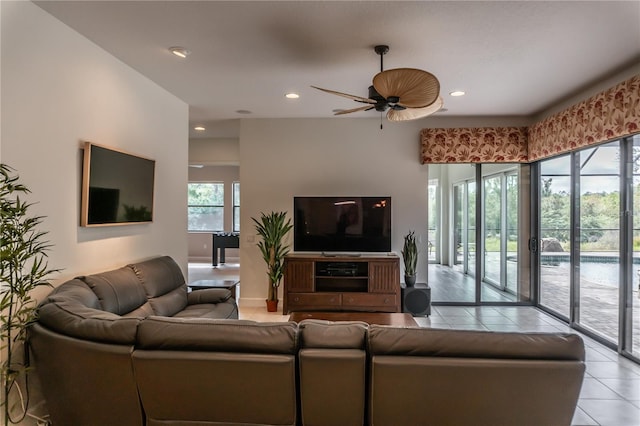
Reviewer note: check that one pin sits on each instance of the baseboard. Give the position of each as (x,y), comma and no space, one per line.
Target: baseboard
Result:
(205,259)
(251,302)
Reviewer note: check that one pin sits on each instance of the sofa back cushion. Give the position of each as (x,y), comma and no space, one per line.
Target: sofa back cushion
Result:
(206,334)
(119,291)
(73,309)
(203,371)
(163,283)
(463,377)
(333,335)
(332,366)
(474,344)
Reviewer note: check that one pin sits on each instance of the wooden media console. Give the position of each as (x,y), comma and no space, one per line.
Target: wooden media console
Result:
(341,283)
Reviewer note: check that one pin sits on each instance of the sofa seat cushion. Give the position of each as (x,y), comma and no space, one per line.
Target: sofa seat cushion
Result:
(224,310)
(205,334)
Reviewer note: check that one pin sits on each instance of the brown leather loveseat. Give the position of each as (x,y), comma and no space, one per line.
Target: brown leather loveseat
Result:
(187,366)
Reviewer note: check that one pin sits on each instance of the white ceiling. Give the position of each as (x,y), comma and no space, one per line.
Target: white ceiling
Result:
(513,58)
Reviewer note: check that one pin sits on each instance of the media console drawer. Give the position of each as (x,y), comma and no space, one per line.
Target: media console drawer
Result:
(368,299)
(312,299)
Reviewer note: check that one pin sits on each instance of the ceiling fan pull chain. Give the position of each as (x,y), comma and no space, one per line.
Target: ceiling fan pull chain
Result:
(380,120)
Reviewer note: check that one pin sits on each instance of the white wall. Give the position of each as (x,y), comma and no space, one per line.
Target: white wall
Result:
(58,89)
(214,151)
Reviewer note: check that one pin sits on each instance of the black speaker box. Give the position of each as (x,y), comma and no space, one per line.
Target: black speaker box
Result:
(416,300)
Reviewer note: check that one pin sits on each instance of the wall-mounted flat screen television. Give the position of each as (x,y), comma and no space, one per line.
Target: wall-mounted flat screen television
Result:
(342,224)
(117,187)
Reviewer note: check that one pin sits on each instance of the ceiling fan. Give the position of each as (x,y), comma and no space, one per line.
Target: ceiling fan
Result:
(405,93)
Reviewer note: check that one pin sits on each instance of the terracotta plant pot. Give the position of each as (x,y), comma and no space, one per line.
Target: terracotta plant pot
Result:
(272,305)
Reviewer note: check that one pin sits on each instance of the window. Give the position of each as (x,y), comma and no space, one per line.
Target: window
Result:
(236,206)
(206,206)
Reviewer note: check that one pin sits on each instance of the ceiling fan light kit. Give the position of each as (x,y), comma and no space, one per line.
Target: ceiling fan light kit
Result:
(405,93)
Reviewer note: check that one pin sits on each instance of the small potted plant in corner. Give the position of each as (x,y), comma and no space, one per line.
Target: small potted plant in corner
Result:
(23,268)
(410,257)
(272,228)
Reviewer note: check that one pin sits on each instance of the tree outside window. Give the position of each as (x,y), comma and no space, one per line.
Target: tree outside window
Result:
(206,206)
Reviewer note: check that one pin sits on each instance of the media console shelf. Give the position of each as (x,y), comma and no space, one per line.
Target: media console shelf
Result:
(342,283)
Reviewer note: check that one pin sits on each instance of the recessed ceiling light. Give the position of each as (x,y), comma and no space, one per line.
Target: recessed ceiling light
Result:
(199,128)
(180,51)
(292,96)
(457,93)
(243,111)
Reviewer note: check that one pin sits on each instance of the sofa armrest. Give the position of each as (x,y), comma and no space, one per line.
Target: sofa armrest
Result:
(208,295)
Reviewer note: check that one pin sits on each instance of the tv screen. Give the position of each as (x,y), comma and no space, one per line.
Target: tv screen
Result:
(117,188)
(342,224)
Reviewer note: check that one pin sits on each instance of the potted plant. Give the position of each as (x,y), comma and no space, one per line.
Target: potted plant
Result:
(410,257)
(272,228)
(23,268)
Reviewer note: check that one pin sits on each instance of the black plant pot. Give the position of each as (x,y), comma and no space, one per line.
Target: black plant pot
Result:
(409,280)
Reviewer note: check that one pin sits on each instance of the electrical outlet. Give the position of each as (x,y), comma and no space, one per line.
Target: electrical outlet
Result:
(205,246)
(250,238)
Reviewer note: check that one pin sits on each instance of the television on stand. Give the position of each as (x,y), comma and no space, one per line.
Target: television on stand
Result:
(342,225)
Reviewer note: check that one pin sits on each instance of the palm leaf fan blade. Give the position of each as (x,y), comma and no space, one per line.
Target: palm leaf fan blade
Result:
(349,111)
(415,88)
(348,96)
(415,113)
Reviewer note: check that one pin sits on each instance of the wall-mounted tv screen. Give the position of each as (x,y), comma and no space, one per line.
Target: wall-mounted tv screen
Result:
(342,224)
(117,188)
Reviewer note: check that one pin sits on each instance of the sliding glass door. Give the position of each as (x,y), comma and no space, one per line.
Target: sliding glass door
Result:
(632,300)
(512,226)
(433,242)
(464,239)
(483,211)
(589,248)
(493,230)
(500,233)
(555,234)
(598,232)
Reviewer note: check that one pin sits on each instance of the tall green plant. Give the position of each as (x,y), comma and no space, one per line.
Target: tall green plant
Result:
(272,228)
(23,267)
(410,254)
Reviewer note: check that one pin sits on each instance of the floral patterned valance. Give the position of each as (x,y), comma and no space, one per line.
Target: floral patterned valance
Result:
(611,114)
(474,145)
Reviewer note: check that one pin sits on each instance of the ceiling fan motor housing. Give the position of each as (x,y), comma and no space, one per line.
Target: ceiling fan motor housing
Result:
(381,103)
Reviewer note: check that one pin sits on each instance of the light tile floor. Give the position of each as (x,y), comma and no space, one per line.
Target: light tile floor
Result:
(610,393)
